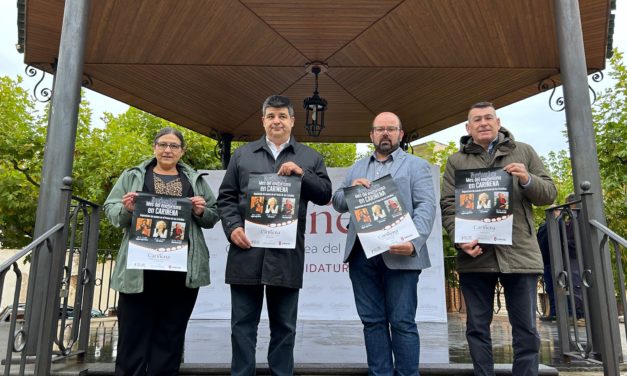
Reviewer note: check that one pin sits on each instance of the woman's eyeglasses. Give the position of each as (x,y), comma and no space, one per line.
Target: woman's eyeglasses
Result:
(165,145)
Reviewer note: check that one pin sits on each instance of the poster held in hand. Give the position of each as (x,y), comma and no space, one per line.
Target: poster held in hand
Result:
(159,233)
(379,215)
(272,213)
(482,206)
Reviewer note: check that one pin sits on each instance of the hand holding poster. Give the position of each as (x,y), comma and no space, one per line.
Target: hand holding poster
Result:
(272,213)
(483,211)
(159,233)
(380,218)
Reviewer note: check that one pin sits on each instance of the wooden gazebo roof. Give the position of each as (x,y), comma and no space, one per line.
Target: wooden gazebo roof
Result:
(208,65)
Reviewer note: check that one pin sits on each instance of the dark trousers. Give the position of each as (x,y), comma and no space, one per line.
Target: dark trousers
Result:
(386,300)
(576,289)
(152,324)
(548,287)
(520,299)
(246,305)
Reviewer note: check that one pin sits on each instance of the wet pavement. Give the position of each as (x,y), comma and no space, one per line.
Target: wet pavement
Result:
(341,342)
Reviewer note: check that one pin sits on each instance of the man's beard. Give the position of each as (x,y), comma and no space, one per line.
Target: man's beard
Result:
(388,148)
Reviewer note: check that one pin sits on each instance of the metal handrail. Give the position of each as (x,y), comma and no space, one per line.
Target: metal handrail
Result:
(571,299)
(614,236)
(4,269)
(584,250)
(79,237)
(83,201)
(106,302)
(7,264)
(610,237)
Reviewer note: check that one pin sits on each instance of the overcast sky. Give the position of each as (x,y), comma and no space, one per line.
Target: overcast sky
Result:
(530,120)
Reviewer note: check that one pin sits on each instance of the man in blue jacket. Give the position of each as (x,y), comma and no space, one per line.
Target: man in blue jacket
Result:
(251,270)
(385,286)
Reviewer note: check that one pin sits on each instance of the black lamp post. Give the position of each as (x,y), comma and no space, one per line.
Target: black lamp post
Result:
(314,107)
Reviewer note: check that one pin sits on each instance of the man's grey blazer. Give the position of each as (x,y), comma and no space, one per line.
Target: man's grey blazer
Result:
(413,179)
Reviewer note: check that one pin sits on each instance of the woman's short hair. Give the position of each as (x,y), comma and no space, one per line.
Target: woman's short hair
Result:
(170,130)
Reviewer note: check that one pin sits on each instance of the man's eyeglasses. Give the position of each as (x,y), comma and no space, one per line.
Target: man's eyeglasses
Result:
(165,145)
(380,130)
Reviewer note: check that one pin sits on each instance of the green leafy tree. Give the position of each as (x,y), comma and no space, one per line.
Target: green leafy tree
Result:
(101,154)
(609,115)
(437,154)
(336,155)
(558,167)
(21,151)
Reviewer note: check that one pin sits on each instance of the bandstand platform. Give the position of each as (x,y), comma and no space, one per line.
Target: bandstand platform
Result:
(328,348)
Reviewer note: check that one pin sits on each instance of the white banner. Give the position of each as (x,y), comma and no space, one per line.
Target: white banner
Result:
(327,293)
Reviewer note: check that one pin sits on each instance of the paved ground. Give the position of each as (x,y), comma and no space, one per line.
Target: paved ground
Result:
(342,342)
(336,343)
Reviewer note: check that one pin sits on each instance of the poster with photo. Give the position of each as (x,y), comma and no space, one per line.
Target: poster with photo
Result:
(482,209)
(379,215)
(272,213)
(159,233)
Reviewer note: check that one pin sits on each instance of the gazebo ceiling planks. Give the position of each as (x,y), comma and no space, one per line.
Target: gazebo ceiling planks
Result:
(209,64)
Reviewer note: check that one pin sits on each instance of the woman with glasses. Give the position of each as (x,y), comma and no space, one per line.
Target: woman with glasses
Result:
(154,306)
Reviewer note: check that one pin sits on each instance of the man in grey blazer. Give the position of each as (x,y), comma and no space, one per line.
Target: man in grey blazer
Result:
(385,286)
